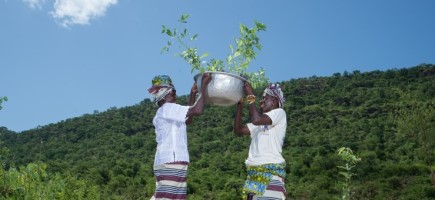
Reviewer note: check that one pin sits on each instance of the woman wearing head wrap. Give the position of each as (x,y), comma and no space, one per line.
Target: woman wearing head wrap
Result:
(265,164)
(172,156)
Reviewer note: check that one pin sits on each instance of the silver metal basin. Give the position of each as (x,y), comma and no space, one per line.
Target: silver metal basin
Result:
(225,89)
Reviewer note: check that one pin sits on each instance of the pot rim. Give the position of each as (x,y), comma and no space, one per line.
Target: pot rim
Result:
(217,72)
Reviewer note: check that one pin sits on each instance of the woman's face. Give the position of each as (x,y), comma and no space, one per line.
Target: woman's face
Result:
(268,103)
(171,97)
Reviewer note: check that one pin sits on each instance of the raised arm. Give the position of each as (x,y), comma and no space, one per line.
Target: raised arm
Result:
(193,92)
(192,98)
(198,107)
(257,118)
(239,128)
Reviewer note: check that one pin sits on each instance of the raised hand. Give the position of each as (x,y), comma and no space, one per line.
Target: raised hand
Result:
(248,89)
(194,88)
(206,79)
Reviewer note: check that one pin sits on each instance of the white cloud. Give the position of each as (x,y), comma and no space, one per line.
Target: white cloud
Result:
(70,12)
(34,4)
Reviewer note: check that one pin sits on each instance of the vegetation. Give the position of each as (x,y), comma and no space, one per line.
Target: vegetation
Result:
(114,150)
(2,99)
(350,161)
(33,182)
(416,122)
(237,62)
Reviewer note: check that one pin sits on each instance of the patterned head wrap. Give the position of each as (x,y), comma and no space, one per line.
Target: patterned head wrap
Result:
(275,91)
(161,86)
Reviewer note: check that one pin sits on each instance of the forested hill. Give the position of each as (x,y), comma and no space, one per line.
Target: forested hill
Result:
(386,117)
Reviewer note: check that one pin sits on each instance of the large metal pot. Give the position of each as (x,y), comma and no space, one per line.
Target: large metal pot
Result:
(225,89)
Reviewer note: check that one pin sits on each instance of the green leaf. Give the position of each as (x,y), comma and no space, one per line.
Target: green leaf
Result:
(237,53)
(184,33)
(169,32)
(183,18)
(346,175)
(194,37)
(203,55)
(164,49)
(164,29)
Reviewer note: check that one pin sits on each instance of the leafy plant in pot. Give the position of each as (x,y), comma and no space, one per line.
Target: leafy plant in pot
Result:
(226,87)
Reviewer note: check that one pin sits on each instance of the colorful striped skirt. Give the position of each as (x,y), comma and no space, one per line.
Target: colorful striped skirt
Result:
(171,181)
(275,190)
(264,182)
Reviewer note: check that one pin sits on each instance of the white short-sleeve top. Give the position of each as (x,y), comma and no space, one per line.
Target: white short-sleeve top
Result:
(267,140)
(171,134)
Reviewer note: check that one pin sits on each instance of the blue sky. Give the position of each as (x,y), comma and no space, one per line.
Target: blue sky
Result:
(61,59)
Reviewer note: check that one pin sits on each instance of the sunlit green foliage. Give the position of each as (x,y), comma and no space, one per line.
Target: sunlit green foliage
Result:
(238,60)
(33,182)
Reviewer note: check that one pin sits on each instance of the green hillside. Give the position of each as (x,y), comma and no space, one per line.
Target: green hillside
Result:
(386,117)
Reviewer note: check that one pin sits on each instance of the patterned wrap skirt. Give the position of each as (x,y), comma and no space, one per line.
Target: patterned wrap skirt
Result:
(274,191)
(265,182)
(171,181)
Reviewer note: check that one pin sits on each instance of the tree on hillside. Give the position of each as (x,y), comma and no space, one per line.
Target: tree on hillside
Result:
(1,101)
(33,182)
(417,122)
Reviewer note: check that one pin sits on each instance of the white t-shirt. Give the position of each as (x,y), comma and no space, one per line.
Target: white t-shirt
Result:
(267,140)
(171,134)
